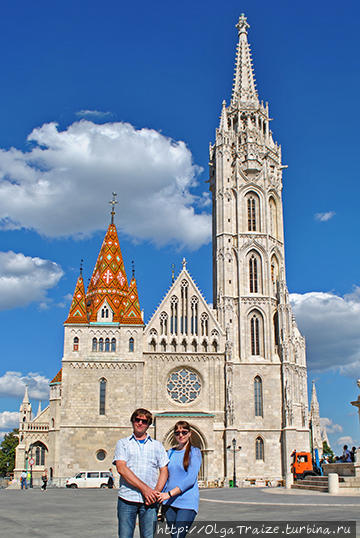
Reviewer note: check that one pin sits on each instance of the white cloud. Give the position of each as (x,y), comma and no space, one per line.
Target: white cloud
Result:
(324,217)
(9,419)
(93,114)
(69,175)
(331,326)
(12,384)
(330,426)
(346,440)
(24,279)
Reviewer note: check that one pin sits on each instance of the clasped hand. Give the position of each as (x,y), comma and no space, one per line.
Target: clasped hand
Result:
(152,496)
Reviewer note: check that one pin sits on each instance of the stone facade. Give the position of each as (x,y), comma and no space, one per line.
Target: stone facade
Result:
(236,371)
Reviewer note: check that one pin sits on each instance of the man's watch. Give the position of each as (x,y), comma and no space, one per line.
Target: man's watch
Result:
(169,492)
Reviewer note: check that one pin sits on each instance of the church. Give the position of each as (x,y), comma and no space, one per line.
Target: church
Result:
(234,369)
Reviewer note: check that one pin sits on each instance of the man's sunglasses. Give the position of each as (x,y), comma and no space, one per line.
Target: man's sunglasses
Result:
(141,420)
(181,432)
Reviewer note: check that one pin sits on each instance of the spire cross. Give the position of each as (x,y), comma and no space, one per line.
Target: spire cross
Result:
(113,202)
(81,266)
(242,25)
(133,268)
(173,273)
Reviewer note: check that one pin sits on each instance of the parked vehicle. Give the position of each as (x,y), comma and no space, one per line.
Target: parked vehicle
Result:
(302,465)
(89,479)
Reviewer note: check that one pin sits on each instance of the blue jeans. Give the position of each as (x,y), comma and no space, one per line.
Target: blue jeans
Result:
(23,483)
(179,520)
(127,512)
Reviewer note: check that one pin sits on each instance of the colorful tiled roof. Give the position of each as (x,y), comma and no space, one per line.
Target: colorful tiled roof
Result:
(77,313)
(132,313)
(57,378)
(109,279)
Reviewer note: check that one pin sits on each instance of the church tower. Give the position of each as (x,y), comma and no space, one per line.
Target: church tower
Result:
(266,363)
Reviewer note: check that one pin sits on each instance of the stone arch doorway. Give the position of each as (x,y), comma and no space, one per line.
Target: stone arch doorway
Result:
(197,440)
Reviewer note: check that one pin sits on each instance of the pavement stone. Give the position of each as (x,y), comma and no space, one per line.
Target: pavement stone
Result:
(90,513)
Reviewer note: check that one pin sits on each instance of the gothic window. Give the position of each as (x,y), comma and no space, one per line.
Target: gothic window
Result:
(276,329)
(184,307)
(183,385)
(174,315)
(194,315)
(105,312)
(183,345)
(255,273)
(258,398)
(131,344)
(252,208)
(194,345)
(102,397)
(259,449)
(94,344)
(76,344)
(101,344)
(107,344)
(163,345)
(153,345)
(256,333)
(113,344)
(173,346)
(163,323)
(273,218)
(215,346)
(40,451)
(274,272)
(204,324)
(205,346)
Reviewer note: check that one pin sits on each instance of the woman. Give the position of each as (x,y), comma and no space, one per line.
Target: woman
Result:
(180,497)
(44,479)
(111,479)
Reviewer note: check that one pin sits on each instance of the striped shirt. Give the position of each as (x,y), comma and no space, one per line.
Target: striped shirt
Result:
(144,460)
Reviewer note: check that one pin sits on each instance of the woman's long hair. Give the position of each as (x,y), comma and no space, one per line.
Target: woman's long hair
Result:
(185,425)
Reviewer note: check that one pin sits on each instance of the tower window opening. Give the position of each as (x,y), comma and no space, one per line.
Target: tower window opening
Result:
(76,344)
(174,315)
(131,345)
(163,323)
(258,397)
(259,449)
(101,344)
(102,397)
(253,274)
(204,324)
(255,335)
(113,344)
(107,344)
(105,312)
(94,344)
(251,214)
(194,315)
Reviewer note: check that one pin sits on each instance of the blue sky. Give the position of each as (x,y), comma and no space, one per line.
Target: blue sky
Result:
(75,76)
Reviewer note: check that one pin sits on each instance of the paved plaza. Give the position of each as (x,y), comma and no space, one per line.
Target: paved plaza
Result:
(61,513)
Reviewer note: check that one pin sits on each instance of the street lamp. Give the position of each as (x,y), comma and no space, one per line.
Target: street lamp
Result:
(30,462)
(234,449)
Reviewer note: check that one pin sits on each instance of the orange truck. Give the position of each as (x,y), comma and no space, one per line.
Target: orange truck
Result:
(302,465)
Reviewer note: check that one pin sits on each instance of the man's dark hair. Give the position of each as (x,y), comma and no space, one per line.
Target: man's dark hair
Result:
(345,447)
(143,412)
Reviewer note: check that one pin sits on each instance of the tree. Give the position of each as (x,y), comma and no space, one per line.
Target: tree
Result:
(7,452)
(328,452)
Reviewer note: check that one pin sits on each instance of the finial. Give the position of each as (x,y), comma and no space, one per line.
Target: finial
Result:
(184,263)
(113,202)
(173,273)
(81,266)
(133,268)
(242,25)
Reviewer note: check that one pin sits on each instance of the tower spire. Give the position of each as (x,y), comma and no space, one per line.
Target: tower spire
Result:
(244,88)
(113,202)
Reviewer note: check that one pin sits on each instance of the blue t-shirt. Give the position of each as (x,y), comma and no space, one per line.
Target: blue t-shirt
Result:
(185,480)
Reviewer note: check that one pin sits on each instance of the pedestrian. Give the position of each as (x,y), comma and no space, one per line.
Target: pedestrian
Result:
(141,462)
(181,493)
(44,479)
(346,456)
(23,480)
(111,479)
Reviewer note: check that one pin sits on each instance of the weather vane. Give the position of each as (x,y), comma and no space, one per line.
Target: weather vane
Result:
(113,202)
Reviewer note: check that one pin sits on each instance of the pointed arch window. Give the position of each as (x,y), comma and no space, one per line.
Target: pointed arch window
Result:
(194,345)
(173,346)
(276,329)
(174,315)
(105,312)
(76,344)
(131,345)
(205,346)
(94,344)
(153,345)
(101,344)
(204,324)
(184,307)
(258,396)
(215,346)
(163,345)
(194,315)
(113,344)
(253,274)
(256,333)
(163,323)
(273,217)
(107,344)
(259,449)
(252,208)
(102,396)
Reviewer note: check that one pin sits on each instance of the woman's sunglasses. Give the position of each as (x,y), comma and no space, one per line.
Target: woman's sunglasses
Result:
(181,432)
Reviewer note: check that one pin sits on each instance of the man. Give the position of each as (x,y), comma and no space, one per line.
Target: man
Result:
(346,456)
(142,464)
(23,478)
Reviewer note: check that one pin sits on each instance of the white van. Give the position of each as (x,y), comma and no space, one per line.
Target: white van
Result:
(89,479)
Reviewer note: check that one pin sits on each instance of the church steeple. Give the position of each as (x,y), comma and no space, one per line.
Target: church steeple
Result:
(244,87)
(132,312)
(77,313)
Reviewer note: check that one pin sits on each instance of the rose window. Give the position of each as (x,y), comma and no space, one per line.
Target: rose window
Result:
(183,386)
